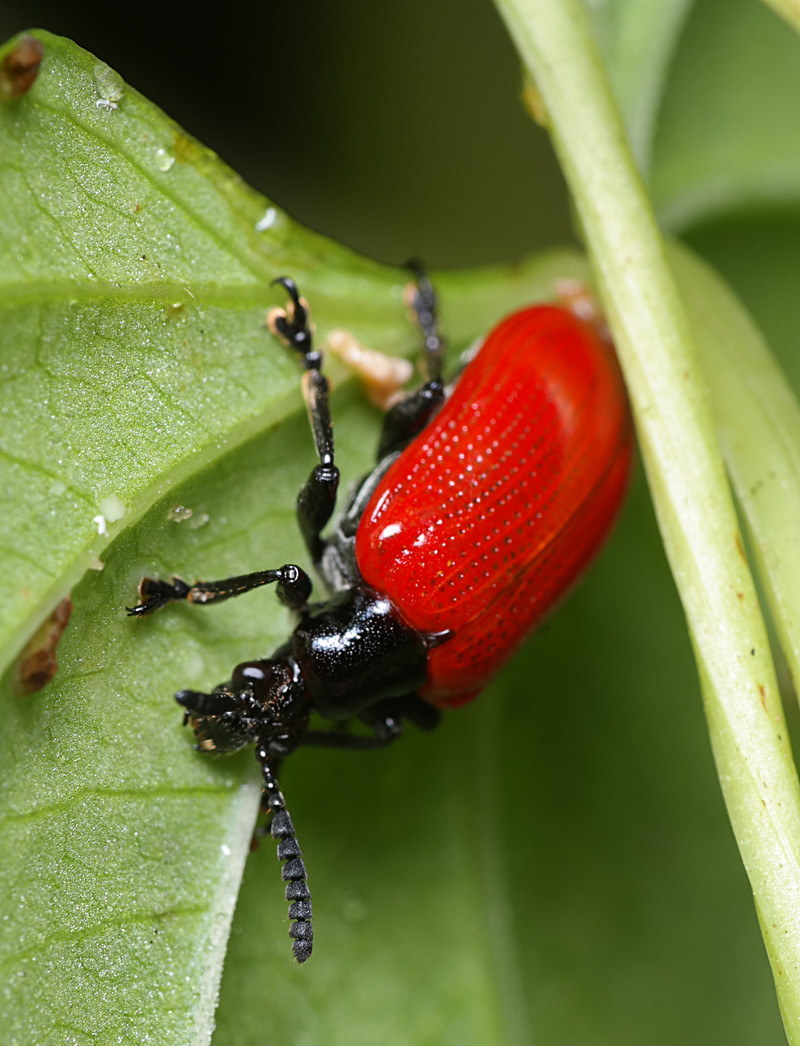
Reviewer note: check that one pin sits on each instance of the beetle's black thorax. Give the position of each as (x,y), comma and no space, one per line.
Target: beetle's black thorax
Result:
(354,650)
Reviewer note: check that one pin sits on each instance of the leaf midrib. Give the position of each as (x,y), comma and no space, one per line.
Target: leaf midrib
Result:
(14,295)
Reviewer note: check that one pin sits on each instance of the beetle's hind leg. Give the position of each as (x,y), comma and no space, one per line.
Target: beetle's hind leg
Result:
(410,416)
(317,499)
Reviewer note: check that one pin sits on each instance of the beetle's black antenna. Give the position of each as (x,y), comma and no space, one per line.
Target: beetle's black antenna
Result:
(294,869)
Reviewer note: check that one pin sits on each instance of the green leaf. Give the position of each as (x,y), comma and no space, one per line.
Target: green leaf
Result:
(710,122)
(138,377)
(758,421)
(134,276)
(727,134)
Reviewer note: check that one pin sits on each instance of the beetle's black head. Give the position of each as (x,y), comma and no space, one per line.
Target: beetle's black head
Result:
(262,702)
(266,703)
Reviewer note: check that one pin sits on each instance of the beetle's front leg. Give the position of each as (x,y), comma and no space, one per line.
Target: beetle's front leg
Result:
(317,499)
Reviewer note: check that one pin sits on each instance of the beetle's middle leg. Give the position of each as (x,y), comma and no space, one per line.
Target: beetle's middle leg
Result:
(293,586)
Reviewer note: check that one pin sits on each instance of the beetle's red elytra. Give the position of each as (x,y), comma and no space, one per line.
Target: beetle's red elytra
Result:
(487,501)
(493,511)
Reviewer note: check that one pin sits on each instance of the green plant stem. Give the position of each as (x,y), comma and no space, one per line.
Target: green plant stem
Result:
(758,421)
(684,467)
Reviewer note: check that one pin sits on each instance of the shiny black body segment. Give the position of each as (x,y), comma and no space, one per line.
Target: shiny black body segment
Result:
(354,651)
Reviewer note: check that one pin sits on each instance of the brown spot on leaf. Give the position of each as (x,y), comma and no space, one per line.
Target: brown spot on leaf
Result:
(37,662)
(763,693)
(20,67)
(184,149)
(740,546)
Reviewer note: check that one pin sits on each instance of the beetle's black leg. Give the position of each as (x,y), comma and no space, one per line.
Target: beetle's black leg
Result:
(344,739)
(422,714)
(294,869)
(410,416)
(424,306)
(385,719)
(293,586)
(317,499)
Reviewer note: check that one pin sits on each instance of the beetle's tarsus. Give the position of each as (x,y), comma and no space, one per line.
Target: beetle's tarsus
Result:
(154,594)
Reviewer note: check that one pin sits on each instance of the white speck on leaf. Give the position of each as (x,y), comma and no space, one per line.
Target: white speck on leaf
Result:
(267,221)
(110,87)
(112,507)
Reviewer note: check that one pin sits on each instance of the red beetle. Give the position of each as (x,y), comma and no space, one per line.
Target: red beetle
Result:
(487,501)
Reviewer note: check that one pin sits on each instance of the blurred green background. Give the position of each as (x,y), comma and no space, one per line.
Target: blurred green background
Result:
(397,130)
(392,128)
